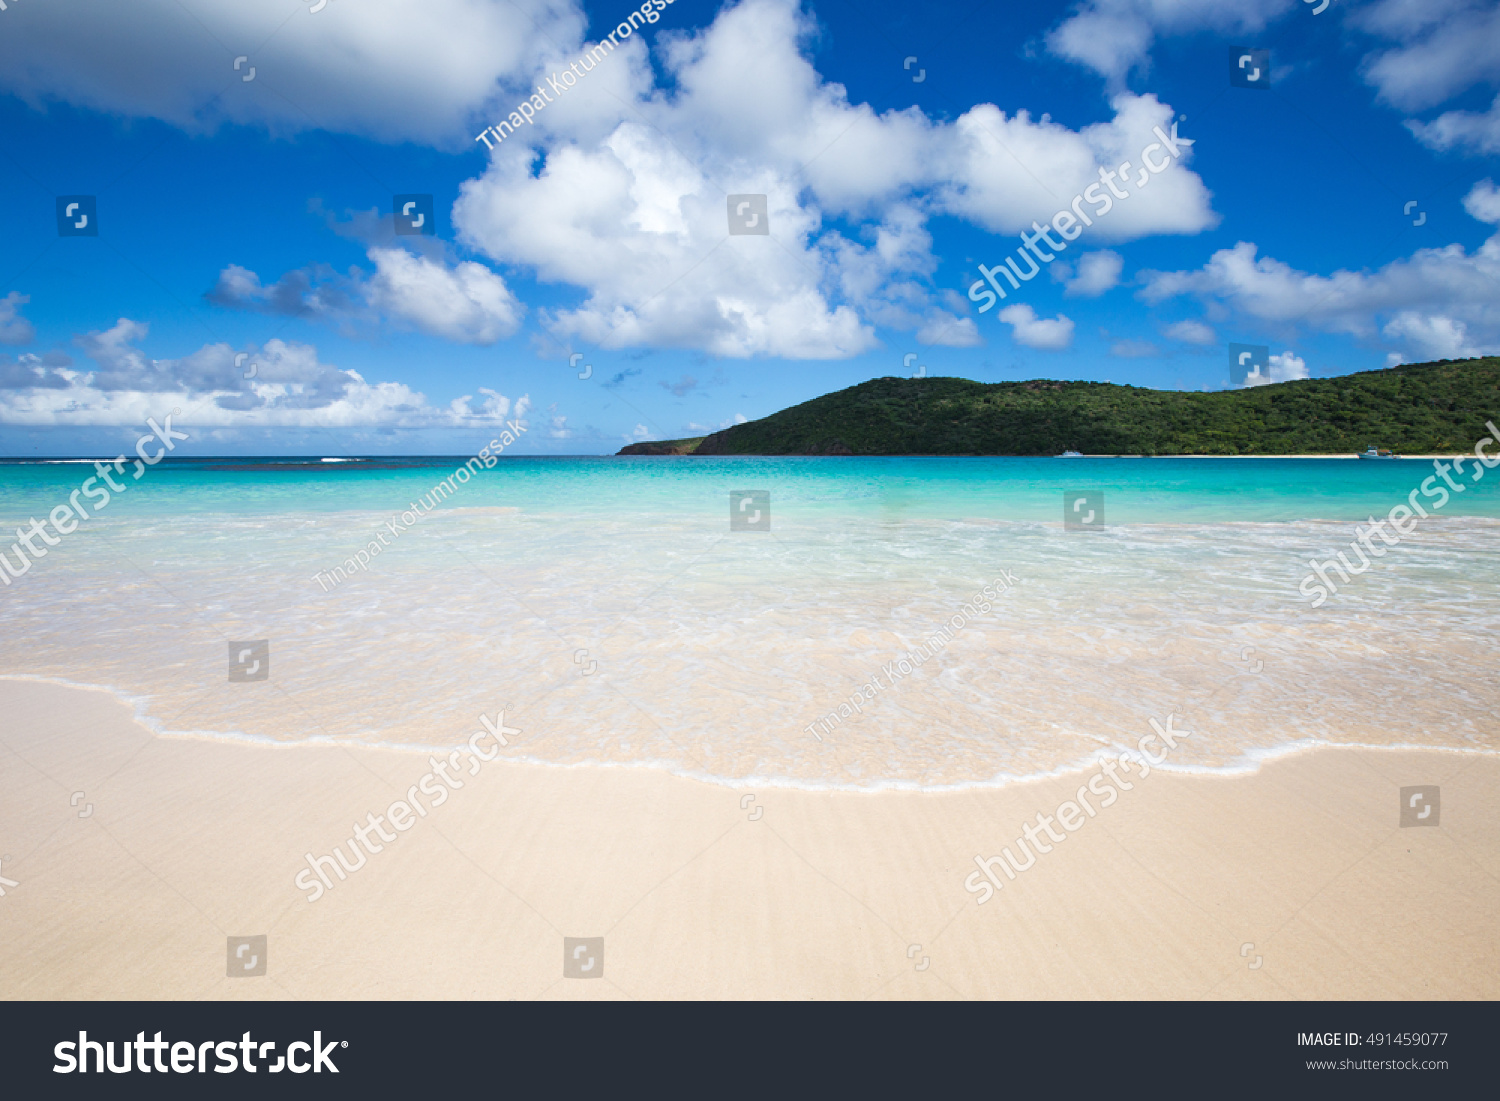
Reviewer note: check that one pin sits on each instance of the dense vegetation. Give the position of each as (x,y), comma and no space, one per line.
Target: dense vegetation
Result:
(1415,409)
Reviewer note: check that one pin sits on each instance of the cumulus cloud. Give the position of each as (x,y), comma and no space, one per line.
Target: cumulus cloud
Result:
(467,302)
(1191,332)
(557,425)
(32,372)
(1474,131)
(1047,334)
(1433,335)
(621,221)
(1483,202)
(1433,50)
(1443,47)
(492,408)
(630,208)
(368,67)
(1279,368)
(463,302)
(618,191)
(948,331)
(727,422)
(990,170)
(1441,299)
(1096,273)
(1113,37)
(287,386)
(15,329)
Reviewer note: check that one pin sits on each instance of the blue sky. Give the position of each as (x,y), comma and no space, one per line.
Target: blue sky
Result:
(252,219)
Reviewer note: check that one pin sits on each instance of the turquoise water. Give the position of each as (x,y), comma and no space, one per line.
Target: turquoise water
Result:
(609,607)
(1138,491)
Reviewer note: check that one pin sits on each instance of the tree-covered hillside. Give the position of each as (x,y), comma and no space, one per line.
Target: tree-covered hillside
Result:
(1417,408)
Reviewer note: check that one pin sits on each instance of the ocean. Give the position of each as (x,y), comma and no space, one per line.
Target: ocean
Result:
(609,608)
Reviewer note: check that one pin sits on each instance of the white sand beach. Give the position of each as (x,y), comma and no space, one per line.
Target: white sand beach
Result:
(1295,881)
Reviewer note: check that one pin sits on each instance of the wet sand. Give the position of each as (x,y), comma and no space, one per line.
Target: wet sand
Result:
(1296,881)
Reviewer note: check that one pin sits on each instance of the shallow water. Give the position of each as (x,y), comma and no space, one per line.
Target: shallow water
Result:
(607,605)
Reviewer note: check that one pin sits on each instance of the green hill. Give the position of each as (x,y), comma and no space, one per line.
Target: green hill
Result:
(1415,409)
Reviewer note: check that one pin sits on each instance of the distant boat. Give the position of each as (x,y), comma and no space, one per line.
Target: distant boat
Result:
(1071,455)
(1377,453)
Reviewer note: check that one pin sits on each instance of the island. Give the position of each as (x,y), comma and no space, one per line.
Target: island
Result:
(1423,408)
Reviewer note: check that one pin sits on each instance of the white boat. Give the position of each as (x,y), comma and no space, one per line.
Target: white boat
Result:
(1071,455)
(1377,453)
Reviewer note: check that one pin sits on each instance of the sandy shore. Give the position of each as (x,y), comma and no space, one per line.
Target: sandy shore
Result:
(1293,882)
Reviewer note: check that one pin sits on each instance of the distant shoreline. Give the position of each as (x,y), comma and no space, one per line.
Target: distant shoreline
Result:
(1449,456)
(1345,455)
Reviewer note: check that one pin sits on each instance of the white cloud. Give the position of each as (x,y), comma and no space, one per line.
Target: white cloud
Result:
(1443,47)
(1097,272)
(1441,298)
(288,386)
(557,425)
(494,408)
(727,422)
(1112,37)
(1476,131)
(948,331)
(624,222)
(989,169)
(1280,368)
(1437,49)
(1051,335)
(1191,332)
(32,372)
(1433,335)
(464,302)
(15,329)
(372,67)
(619,188)
(1483,202)
(632,211)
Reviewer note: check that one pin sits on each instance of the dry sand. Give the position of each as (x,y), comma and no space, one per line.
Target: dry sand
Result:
(823,895)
